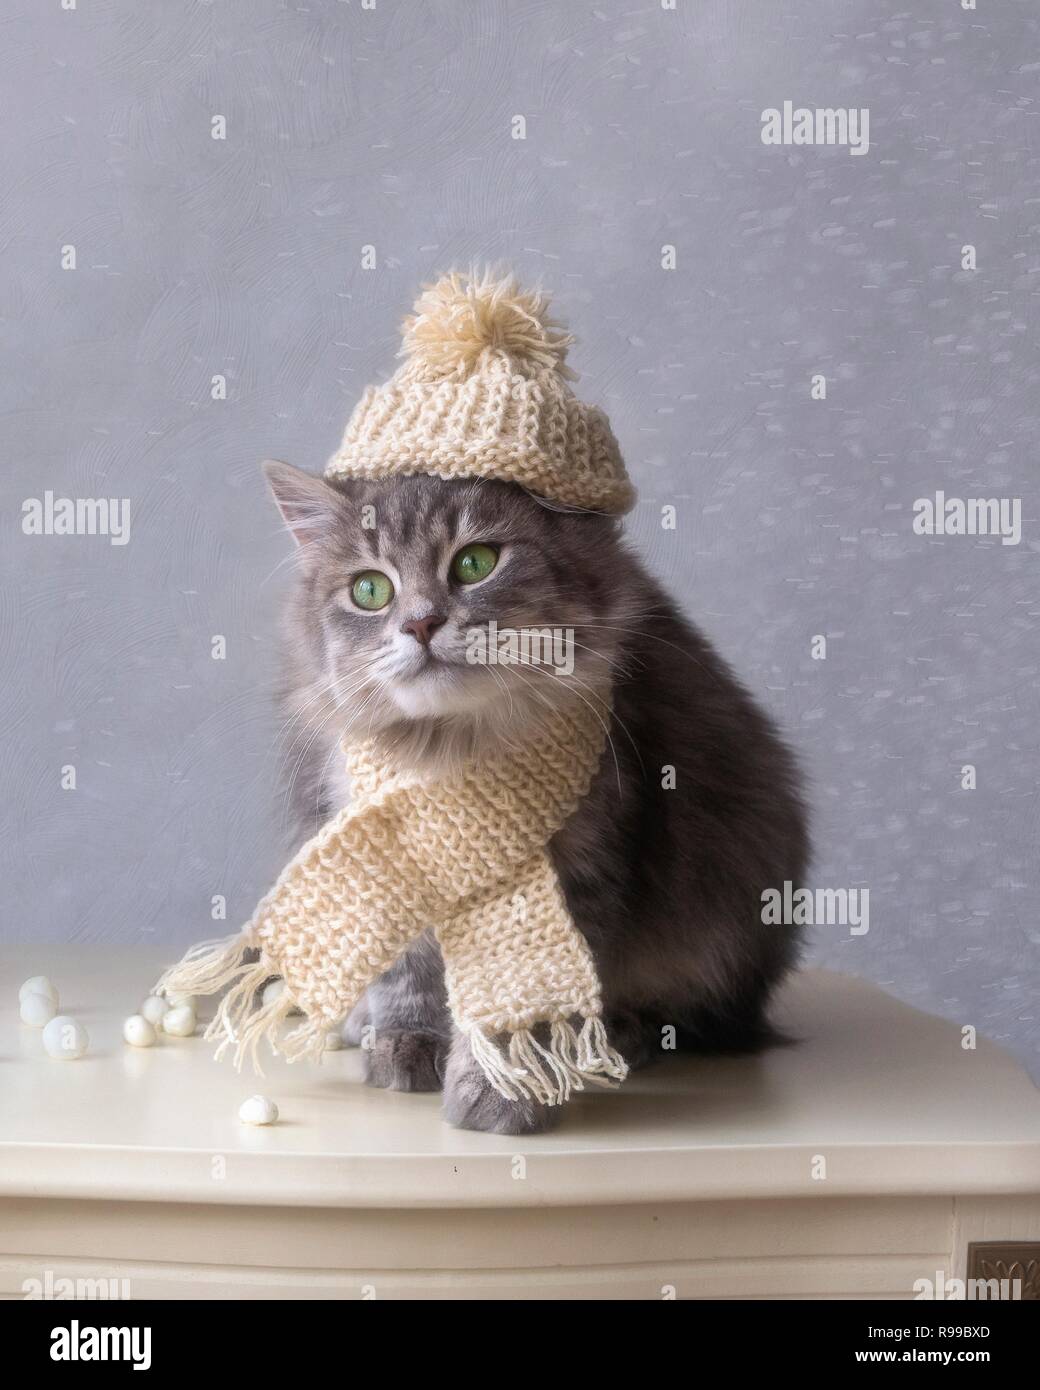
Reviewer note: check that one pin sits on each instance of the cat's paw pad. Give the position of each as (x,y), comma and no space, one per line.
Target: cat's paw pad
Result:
(471,1102)
(405,1061)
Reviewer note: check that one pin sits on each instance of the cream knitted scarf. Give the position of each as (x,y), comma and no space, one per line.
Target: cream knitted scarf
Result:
(465,854)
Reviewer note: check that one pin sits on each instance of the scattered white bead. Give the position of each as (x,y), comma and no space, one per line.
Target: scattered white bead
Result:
(272,991)
(258,1110)
(65,1039)
(179,1022)
(39,984)
(138,1031)
(153,1009)
(37,1009)
(334,1041)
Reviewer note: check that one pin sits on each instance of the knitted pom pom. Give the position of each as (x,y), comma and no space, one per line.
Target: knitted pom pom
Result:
(462,316)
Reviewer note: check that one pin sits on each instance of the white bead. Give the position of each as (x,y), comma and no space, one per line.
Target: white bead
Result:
(334,1041)
(37,1009)
(179,1022)
(65,1039)
(174,1001)
(258,1110)
(39,984)
(153,1009)
(273,991)
(138,1031)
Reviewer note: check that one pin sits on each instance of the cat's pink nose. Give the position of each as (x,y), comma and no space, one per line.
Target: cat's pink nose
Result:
(422,629)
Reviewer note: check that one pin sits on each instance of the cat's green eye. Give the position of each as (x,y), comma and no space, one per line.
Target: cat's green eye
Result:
(474,562)
(372,590)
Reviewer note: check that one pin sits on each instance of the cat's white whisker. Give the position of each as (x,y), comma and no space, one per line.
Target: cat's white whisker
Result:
(333,707)
(534,666)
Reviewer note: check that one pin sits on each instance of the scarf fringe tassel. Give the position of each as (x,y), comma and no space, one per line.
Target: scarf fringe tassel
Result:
(519,1067)
(239,1023)
(522,1068)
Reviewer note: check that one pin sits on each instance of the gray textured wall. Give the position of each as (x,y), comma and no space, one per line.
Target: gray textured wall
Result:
(391,127)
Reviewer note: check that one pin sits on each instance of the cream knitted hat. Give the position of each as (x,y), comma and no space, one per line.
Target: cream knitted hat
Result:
(482,393)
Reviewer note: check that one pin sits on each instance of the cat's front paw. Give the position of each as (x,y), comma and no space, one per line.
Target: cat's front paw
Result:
(471,1102)
(399,1060)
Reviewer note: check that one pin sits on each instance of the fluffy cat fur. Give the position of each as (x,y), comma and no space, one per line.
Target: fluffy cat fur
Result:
(666,885)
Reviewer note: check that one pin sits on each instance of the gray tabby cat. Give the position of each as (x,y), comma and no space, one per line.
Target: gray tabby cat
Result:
(665,882)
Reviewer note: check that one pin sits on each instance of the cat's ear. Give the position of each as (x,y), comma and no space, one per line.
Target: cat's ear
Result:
(309,507)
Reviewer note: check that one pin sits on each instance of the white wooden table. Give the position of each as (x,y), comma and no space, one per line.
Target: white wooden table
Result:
(851,1165)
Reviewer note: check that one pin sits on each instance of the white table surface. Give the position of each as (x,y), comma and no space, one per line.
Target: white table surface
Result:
(884,1093)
